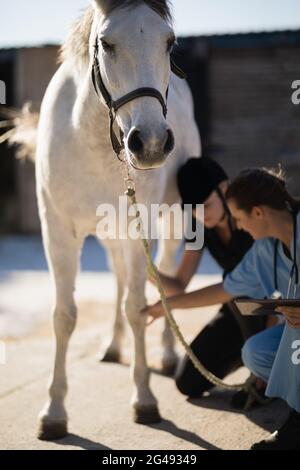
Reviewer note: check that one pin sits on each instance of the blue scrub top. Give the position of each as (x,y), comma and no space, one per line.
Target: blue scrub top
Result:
(254,277)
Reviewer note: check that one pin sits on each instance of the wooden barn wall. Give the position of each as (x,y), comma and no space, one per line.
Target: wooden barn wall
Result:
(245,100)
(34,69)
(252,118)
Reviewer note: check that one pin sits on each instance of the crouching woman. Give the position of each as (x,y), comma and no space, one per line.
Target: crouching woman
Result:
(261,205)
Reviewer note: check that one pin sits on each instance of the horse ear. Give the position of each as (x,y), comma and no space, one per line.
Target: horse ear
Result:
(97,4)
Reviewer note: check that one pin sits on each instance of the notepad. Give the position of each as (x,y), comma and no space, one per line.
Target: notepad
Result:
(263,306)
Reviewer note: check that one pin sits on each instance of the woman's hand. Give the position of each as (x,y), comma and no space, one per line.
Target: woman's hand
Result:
(155,311)
(292,315)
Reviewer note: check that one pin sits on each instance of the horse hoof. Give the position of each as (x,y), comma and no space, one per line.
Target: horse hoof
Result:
(109,356)
(146,415)
(51,431)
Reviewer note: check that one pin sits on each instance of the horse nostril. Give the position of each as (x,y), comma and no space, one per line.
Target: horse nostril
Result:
(135,143)
(170,143)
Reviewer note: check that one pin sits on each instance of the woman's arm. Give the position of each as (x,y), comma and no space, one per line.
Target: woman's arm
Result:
(187,268)
(207,296)
(204,297)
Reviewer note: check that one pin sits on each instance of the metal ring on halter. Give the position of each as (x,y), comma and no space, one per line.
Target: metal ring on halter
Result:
(130,187)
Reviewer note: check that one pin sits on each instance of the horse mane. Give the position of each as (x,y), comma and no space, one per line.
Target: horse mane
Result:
(76,46)
(160,6)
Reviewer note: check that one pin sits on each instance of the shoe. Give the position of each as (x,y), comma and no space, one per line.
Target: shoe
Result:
(286,438)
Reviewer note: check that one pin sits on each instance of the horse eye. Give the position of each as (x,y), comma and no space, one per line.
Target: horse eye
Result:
(171,44)
(107,47)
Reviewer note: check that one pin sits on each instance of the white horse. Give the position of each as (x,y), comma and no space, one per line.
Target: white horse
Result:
(76,170)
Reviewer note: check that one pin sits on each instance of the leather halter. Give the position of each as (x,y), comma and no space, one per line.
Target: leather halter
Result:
(114,106)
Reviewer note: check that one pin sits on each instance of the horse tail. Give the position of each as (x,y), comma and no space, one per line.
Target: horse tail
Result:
(22,125)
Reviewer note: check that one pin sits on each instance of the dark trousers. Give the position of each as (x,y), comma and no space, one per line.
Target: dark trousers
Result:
(218,346)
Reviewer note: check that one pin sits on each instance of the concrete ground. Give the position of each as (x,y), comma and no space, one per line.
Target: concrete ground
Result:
(99,393)
(98,400)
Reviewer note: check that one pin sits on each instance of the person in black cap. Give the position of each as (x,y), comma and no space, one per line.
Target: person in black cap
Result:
(219,344)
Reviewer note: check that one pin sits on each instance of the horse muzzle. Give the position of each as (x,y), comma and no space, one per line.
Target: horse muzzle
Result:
(148,148)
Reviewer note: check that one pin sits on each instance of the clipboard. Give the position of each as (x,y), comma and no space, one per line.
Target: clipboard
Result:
(253,307)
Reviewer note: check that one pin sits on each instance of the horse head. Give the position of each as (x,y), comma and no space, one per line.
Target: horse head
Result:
(130,46)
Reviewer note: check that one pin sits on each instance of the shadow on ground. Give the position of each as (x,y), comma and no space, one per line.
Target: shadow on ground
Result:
(170,428)
(80,443)
(268,417)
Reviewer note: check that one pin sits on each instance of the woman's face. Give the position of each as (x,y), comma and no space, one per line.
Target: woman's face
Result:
(254,222)
(213,211)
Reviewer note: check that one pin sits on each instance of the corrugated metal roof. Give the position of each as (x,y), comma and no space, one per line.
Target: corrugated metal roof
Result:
(249,40)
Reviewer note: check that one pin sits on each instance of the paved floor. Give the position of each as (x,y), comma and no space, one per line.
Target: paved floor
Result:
(99,394)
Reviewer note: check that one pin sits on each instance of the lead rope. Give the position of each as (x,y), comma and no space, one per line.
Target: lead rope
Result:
(249,385)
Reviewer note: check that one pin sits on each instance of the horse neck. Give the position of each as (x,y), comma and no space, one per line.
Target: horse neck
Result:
(90,115)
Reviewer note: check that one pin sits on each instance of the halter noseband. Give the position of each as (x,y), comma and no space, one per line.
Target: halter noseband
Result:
(114,106)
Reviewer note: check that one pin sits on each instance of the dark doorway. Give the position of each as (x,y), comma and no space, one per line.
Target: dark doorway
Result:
(191,55)
(8,190)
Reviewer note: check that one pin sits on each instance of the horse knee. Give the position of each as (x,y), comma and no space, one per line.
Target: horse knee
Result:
(64,320)
(168,338)
(133,307)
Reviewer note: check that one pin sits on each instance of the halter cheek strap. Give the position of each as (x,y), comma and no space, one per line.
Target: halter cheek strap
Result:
(114,106)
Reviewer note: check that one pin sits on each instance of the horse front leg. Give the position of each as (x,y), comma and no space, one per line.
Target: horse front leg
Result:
(62,250)
(144,403)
